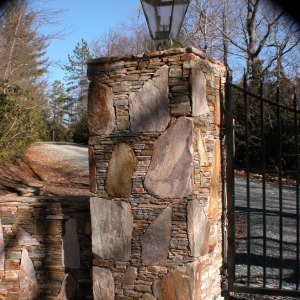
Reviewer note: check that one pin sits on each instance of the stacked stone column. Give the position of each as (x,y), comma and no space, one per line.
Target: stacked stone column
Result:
(154,123)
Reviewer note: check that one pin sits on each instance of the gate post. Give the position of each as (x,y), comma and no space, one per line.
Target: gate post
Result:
(155,164)
(230,177)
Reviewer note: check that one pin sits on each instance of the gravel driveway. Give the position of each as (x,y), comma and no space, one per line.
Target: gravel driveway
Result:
(289,234)
(67,154)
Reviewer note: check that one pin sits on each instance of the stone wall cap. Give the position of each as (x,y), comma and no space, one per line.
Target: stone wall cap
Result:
(20,199)
(147,55)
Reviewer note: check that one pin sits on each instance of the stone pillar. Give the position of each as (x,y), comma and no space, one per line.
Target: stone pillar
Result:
(154,123)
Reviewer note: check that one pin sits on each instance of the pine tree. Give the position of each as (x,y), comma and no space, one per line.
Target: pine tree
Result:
(22,54)
(77,82)
(57,101)
(23,65)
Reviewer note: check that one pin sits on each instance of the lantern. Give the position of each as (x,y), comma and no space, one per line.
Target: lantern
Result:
(164,17)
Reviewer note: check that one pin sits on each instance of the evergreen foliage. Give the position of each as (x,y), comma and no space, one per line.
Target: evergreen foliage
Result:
(58,125)
(81,131)
(77,90)
(21,121)
(77,82)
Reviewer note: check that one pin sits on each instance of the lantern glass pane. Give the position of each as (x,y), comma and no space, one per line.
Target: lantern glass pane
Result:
(179,11)
(149,11)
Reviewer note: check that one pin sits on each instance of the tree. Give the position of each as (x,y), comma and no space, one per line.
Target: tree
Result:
(21,121)
(76,79)
(23,66)
(23,49)
(58,118)
(241,33)
(126,38)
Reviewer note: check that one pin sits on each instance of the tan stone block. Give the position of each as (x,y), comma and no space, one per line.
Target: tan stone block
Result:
(11,265)
(3,290)
(175,72)
(8,208)
(201,149)
(132,77)
(122,123)
(121,297)
(213,207)
(184,281)
(143,287)
(157,269)
(120,169)
(11,276)
(101,115)
(198,229)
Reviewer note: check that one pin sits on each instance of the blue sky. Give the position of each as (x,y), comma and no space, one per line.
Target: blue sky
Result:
(88,19)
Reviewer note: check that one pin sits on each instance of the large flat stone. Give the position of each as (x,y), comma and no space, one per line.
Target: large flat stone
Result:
(183,283)
(149,108)
(198,229)
(103,284)
(2,248)
(70,245)
(120,170)
(170,173)
(198,90)
(27,278)
(101,114)
(213,206)
(111,229)
(156,240)
(68,288)
(23,237)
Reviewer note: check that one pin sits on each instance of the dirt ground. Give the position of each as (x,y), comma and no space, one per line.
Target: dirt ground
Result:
(39,174)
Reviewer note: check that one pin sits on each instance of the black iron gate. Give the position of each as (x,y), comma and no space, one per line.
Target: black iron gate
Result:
(262,177)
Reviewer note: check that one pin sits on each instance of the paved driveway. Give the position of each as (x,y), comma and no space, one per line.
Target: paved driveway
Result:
(289,233)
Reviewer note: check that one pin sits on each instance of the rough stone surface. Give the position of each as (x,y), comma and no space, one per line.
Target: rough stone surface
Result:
(156,240)
(198,88)
(44,218)
(148,297)
(2,248)
(120,169)
(68,288)
(101,115)
(218,108)
(129,277)
(111,229)
(70,245)
(170,174)
(198,228)
(201,148)
(175,155)
(149,107)
(213,206)
(182,283)
(27,278)
(103,284)
(23,237)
